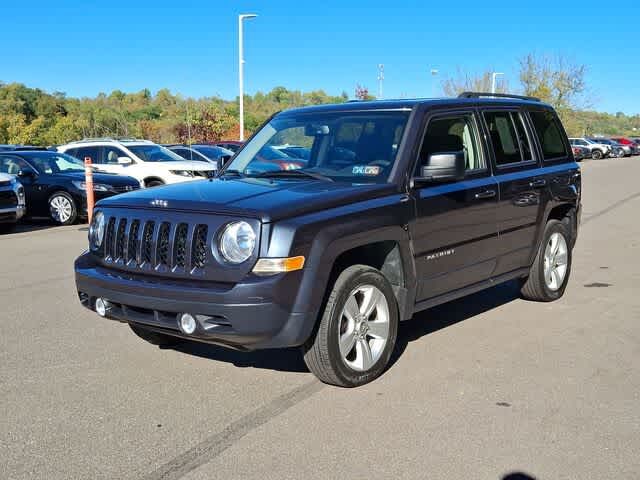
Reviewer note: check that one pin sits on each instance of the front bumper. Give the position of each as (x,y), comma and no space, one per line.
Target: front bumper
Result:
(249,315)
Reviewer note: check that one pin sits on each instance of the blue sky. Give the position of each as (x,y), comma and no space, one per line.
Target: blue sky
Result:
(190,47)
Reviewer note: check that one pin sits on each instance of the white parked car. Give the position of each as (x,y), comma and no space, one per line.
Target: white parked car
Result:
(149,163)
(598,150)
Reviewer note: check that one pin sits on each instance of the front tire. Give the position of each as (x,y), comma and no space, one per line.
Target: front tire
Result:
(153,183)
(358,329)
(62,208)
(154,338)
(550,271)
(596,155)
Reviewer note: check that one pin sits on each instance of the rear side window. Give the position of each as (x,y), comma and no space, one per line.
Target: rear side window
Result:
(549,134)
(91,152)
(508,137)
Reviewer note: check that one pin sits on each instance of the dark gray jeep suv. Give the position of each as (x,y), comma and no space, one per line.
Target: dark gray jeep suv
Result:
(402,205)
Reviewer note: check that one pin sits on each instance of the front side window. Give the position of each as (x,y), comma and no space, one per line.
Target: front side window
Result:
(356,147)
(52,163)
(452,135)
(508,137)
(111,155)
(549,134)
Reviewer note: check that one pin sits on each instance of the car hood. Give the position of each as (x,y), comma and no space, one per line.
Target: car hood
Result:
(5,177)
(105,178)
(267,199)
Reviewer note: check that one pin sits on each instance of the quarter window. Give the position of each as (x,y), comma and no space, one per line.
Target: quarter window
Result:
(452,134)
(549,134)
(508,137)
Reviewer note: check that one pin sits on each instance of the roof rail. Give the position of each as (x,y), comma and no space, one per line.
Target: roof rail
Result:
(110,139)
(496,95)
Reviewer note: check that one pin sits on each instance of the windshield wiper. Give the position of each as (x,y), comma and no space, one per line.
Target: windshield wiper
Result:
(230,172)
(295,173)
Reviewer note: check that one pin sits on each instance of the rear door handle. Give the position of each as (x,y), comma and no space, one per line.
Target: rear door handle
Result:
(486,194)
(541,182)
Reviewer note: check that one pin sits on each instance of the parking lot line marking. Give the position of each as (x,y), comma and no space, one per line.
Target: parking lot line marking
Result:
(211,447)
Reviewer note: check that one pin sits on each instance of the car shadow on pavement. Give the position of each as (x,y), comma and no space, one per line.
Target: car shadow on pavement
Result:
(447,314)
(424,323)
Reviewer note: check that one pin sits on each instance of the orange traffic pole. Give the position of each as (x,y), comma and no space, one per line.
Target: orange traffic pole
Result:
(88,185)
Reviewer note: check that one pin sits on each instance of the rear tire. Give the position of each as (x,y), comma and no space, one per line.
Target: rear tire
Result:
(153,183)
(154,338)
(358,329)
(551,268)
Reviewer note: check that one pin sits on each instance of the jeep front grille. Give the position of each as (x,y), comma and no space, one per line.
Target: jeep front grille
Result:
(163,246)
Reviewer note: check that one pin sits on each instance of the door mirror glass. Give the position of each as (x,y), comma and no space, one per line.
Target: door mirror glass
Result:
(444,167)
(124,161)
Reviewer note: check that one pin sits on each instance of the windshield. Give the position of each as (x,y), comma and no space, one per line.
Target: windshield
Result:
(213,152)
(154,153)
(356,147)
(50,163)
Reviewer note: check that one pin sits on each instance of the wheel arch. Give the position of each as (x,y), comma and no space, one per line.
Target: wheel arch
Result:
(153,178)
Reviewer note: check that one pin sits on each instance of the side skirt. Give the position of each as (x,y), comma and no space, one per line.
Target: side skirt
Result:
(476,287)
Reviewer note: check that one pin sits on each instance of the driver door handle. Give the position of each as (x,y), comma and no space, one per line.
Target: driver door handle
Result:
(485,194)
(541,182)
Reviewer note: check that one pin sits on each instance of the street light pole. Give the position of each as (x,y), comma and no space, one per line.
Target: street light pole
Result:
(241,69)
(380,80)
(434,74)
(493,81)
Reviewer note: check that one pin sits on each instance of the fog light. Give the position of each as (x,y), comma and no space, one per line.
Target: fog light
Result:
(102,307)
(187,323)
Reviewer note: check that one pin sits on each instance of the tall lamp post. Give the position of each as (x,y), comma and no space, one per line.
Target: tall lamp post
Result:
(434,74)
(493,81)
(241,68)
(380,80)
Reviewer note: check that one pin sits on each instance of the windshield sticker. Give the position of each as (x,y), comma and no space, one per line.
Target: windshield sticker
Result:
(366,170)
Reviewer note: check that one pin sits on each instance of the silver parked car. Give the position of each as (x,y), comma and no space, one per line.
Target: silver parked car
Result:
(12,201)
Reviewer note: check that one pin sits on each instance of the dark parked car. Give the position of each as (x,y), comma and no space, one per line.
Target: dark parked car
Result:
(580,153)
(402,205)
(12,202)
(635,147)
(232,145)
(205,153)
(54,183)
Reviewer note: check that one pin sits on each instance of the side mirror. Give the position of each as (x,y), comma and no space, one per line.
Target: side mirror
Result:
(124,161)
(27,173)
(444,167)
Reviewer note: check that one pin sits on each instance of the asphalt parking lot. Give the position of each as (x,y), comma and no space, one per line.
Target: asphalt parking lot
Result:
(480,388)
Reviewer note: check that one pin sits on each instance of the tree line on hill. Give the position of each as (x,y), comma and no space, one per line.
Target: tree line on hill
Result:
(34,117)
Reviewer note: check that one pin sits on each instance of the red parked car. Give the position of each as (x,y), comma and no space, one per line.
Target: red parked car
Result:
(635,146)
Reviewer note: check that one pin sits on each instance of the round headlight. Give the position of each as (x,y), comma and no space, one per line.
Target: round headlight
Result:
(96,230)
(237,242)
